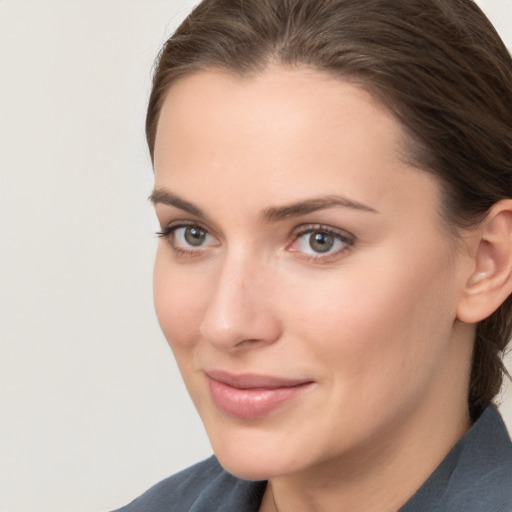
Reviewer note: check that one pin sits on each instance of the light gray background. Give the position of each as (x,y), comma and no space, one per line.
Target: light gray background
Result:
(92,409)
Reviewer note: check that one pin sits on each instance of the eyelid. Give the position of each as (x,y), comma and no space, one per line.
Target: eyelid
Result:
(311,228)
(176,224)
(342,235)
(169,230)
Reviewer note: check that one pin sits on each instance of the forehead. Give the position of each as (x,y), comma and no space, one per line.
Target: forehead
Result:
(280,101)
(278,136)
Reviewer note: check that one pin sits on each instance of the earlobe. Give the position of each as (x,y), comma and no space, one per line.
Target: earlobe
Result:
(490,282)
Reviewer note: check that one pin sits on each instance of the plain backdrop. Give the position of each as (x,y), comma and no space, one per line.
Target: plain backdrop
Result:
(92,409)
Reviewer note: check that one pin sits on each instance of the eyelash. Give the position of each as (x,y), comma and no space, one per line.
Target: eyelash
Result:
(347,239)
(169,232)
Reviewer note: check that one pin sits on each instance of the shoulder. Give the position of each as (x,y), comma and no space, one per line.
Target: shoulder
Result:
(475,476)
(180,489)
(205,486)
(484,476)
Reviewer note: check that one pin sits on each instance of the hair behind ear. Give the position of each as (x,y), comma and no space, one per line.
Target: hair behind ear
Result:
(487,370)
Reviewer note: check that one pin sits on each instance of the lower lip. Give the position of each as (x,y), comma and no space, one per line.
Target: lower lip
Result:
(252,403)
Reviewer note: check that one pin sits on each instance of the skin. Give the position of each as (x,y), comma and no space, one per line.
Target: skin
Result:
(372,322)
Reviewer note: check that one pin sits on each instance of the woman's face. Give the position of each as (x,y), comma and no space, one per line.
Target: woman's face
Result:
(304,280)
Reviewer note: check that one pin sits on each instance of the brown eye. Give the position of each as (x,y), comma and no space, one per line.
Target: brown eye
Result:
(321,242)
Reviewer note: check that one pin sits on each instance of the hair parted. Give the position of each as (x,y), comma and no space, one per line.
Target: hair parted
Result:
(438,65)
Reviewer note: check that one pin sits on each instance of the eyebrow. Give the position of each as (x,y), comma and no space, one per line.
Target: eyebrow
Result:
(161,196)
(272,214)
(277,213)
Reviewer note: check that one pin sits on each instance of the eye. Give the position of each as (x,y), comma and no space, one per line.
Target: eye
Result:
(188,238)
(190,235)
(321,241)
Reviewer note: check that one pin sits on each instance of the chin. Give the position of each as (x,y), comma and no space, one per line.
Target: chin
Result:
(254,454)
(250,469)
(246,471)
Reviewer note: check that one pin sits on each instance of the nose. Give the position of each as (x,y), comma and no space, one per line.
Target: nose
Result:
(239,315)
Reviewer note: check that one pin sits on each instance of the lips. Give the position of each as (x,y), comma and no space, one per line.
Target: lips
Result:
(252,396)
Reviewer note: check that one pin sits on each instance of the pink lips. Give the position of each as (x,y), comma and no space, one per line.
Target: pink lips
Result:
(252,396)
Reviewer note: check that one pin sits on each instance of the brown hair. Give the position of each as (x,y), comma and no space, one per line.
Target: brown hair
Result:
(438,65)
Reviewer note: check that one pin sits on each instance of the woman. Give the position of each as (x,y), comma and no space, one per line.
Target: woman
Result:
(333,181)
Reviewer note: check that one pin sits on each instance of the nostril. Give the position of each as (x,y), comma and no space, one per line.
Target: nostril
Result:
(241,330)
(250,343)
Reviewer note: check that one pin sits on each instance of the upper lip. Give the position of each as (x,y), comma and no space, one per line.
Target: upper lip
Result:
(252,380)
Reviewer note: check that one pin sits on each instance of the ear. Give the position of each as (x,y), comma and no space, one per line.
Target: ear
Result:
(490,282)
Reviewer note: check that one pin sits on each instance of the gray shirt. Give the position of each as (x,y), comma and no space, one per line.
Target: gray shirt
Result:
(476,476)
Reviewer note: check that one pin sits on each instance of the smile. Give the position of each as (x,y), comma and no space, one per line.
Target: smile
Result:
(252,396)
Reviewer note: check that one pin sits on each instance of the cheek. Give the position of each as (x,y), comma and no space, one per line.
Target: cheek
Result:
(392,322)
(179,302)
(372,337)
